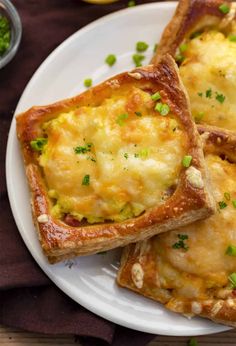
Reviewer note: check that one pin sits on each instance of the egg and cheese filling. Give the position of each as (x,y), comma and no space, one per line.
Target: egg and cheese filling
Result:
(197,261)
(208,71)
(113,161)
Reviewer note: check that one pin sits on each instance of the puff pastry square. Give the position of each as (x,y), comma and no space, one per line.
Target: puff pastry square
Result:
(117,164)
(191,270)
(202,38)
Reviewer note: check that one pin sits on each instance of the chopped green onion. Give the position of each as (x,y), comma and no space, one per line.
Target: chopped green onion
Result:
(38,143)
(162,108)
(232,279)
(137,59)
(209,93)
(139,114)
(222,205)
(141,46)
(232,38)
(156,96)
(131,3)
(181,244)
(126,156)
(234,203)
(183,47)
(231,250)
(155,48)
(200,94)
(121,119)
(88,82)
(143,153)
(224,8)
(83,149)
(86,180)
(187,159)
(192,342)
(220,97)
(198,117)
(179,58)
(227,196)
(110,59)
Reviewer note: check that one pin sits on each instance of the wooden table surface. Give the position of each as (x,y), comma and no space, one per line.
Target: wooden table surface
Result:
(16,337)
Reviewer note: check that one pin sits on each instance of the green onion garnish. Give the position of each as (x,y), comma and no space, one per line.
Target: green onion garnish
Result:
(126,156)
(231,250)
(181,244)
(232,279)
(155,48)
(227,196)
(183,47)
(187,159)
(38,143)
(162,108)
(88,82)
(83,149)
(220,97)
(110,59)
(179,58)
(156,96)
(234,203)
(209,93)
(141,46)
(232,38)
(222,204)
(224,8)
(121,119)
(137,59)
(139,114)
(86,180)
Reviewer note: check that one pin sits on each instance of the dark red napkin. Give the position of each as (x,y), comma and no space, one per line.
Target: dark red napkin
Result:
(28,299)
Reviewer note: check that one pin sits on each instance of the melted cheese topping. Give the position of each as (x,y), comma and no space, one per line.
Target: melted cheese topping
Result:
(204,266)
(128,162)
(210,64)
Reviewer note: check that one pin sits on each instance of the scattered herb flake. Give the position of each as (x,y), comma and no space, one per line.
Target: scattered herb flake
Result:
(121,119)
(143,153)
(156,96)
(181,244)
(232,279)
(179,58)
(162,108)
(88,82)
(232,38)
(126,156)
(220,97)
(227,196)
(200,94)
(83,149)
(139,114)
(198,117)
(155,48)
(38,143)
(110,59)
(141,46)
(224,8)
(234,203)
(183,47)
(231,250)
(137,59)
(222,204)
(187,159)
(209,93)
(86,180)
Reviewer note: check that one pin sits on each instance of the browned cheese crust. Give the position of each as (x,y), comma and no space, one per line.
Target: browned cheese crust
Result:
(220,307)
(188,203)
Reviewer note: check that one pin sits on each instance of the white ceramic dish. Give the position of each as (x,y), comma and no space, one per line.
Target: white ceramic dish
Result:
(90,281)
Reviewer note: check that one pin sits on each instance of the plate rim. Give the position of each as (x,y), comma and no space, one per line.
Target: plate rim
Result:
(9,150)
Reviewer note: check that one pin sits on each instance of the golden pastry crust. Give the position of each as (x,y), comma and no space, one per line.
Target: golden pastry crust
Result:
(190,16)
(142,262)
(187,204)
(201,37)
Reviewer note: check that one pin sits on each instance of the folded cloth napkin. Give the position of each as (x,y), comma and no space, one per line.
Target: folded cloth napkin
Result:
(28,299)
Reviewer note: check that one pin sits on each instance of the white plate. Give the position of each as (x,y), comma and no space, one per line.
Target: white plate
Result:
(90,281)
